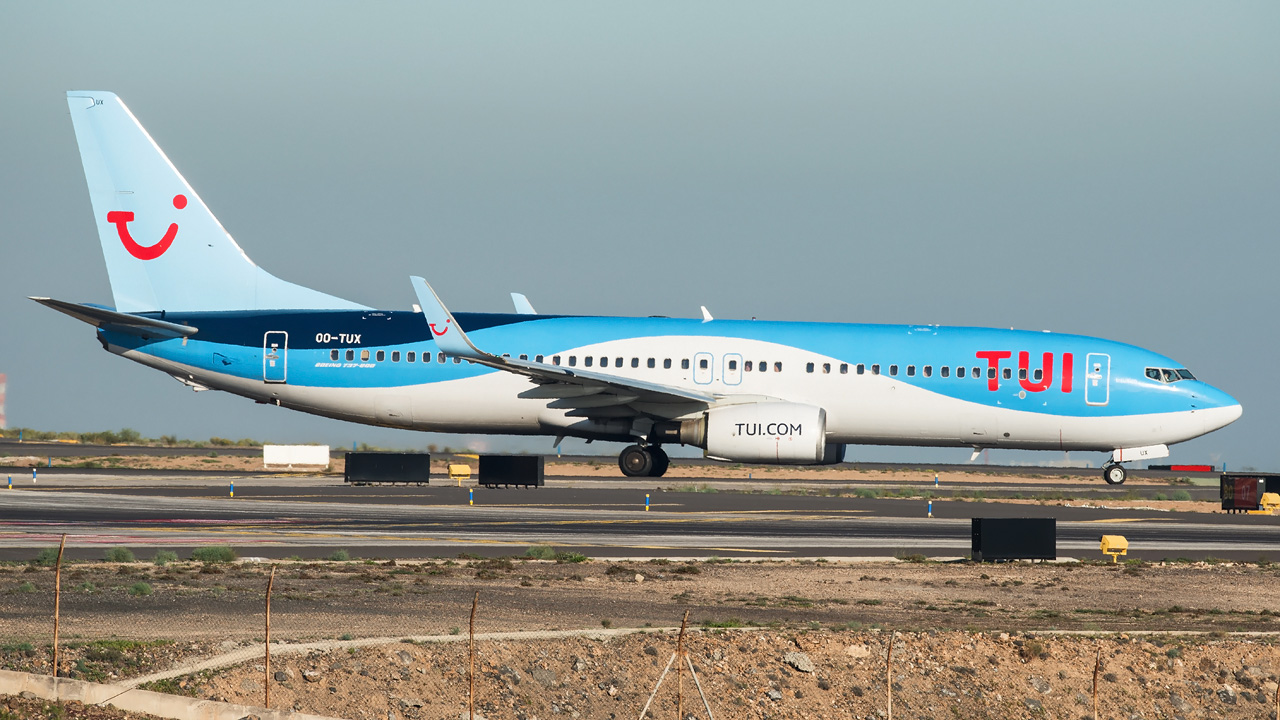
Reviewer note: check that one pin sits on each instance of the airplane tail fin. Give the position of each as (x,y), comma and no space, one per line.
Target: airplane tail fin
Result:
(164,249)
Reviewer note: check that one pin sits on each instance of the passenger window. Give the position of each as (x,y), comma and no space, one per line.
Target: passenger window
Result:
(506,355)
(1039,374)
(381,355)
(1022,373)
(440,358)
(573,360)
(844,368)
(539,358)
(875,369)
(411,357)
(861,369)
(777,367)
(364,356)
(746,366)
(618,363)
(684,363)
(457,360)
(635,362)
(826,368)
(555,360)
(666,363)
(395,356)
(604,362)
(762,366)
(703,364)
(946,371)
(991,373)
(928,371)
(893,369)
(977,372)
(651,363)
(808,367)
(586,361)
(1008,373)
(351,355)
(911,371)
(733,364)
(523,356)
(960,372)
(333,354)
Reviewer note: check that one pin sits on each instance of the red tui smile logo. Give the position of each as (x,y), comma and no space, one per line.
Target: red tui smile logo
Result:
(122,218)
(438,333)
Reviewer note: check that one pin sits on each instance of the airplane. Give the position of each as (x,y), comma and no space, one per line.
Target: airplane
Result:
(189,302)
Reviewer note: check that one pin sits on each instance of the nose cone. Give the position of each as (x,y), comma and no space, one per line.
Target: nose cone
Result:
(1217,409)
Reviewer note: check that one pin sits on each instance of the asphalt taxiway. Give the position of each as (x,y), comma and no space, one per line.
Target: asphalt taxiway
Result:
(312,516)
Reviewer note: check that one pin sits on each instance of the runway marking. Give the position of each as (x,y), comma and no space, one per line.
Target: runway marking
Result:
(1122,520)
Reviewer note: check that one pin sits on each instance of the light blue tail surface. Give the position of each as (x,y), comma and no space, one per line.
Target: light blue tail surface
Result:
(164,249)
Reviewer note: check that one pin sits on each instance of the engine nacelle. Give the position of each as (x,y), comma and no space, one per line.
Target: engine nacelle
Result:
(769,432)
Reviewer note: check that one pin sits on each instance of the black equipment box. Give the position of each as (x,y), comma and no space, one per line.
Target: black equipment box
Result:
(1015,539)
(522,470)
(1242,492)
(386,467)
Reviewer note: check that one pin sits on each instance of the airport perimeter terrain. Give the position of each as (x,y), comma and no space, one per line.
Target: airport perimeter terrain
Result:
(795,585)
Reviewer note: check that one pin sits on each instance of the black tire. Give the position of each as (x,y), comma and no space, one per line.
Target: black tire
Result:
(635,461)
(660,462)
(1114,474)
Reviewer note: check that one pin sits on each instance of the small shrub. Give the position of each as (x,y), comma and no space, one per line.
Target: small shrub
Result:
(214,554)
(340,556)
(164,557)
(140,589)
(119,555)
(540,552)
(455,631)
(570,557)
(47,557)
(1181,495)
(606,623)
(346,636)
(26,587)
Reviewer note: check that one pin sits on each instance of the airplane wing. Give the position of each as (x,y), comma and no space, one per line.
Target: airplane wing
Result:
(523,306)
(617,390)
(121,322)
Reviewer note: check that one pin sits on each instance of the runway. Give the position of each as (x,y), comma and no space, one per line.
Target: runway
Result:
(311,517)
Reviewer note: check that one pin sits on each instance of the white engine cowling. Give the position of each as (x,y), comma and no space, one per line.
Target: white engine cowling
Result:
(770,432)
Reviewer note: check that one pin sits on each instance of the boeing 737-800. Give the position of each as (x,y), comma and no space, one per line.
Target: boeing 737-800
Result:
(189,302)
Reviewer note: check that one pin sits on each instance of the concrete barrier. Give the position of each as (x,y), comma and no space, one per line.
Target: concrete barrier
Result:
(177,707)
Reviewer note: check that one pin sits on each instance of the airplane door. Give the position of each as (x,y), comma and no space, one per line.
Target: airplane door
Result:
(275,353)
(1097,379)
(732,372)
(702,369)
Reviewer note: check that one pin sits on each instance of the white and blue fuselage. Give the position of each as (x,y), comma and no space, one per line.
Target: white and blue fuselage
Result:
(193,305)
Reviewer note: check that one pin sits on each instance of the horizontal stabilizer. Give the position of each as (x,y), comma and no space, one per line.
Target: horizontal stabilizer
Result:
(122,322)
(523,306)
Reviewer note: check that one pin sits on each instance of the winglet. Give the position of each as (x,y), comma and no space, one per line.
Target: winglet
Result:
(706,315)
(523,306)
(445,330)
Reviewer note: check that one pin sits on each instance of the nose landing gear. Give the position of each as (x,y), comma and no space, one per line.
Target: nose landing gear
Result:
(1114,474)
(643,461)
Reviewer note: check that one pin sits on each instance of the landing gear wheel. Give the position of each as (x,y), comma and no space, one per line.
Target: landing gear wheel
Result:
(636,461)
(660,462)
(1114,474)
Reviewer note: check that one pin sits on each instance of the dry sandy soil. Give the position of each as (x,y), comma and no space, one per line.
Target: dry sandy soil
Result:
(964,648)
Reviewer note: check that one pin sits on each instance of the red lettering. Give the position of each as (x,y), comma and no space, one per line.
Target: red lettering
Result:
(993,358)
(1024,361)
(1067,366)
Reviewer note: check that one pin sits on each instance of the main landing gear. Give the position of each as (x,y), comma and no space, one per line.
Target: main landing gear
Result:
(1114,474)
(643,461)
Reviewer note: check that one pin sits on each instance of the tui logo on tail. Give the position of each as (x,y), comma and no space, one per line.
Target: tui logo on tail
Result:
(122,218)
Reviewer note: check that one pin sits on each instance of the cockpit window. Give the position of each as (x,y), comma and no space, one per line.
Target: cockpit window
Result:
(1169,375)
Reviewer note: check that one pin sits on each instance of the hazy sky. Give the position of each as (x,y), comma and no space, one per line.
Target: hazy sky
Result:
(1110,169)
